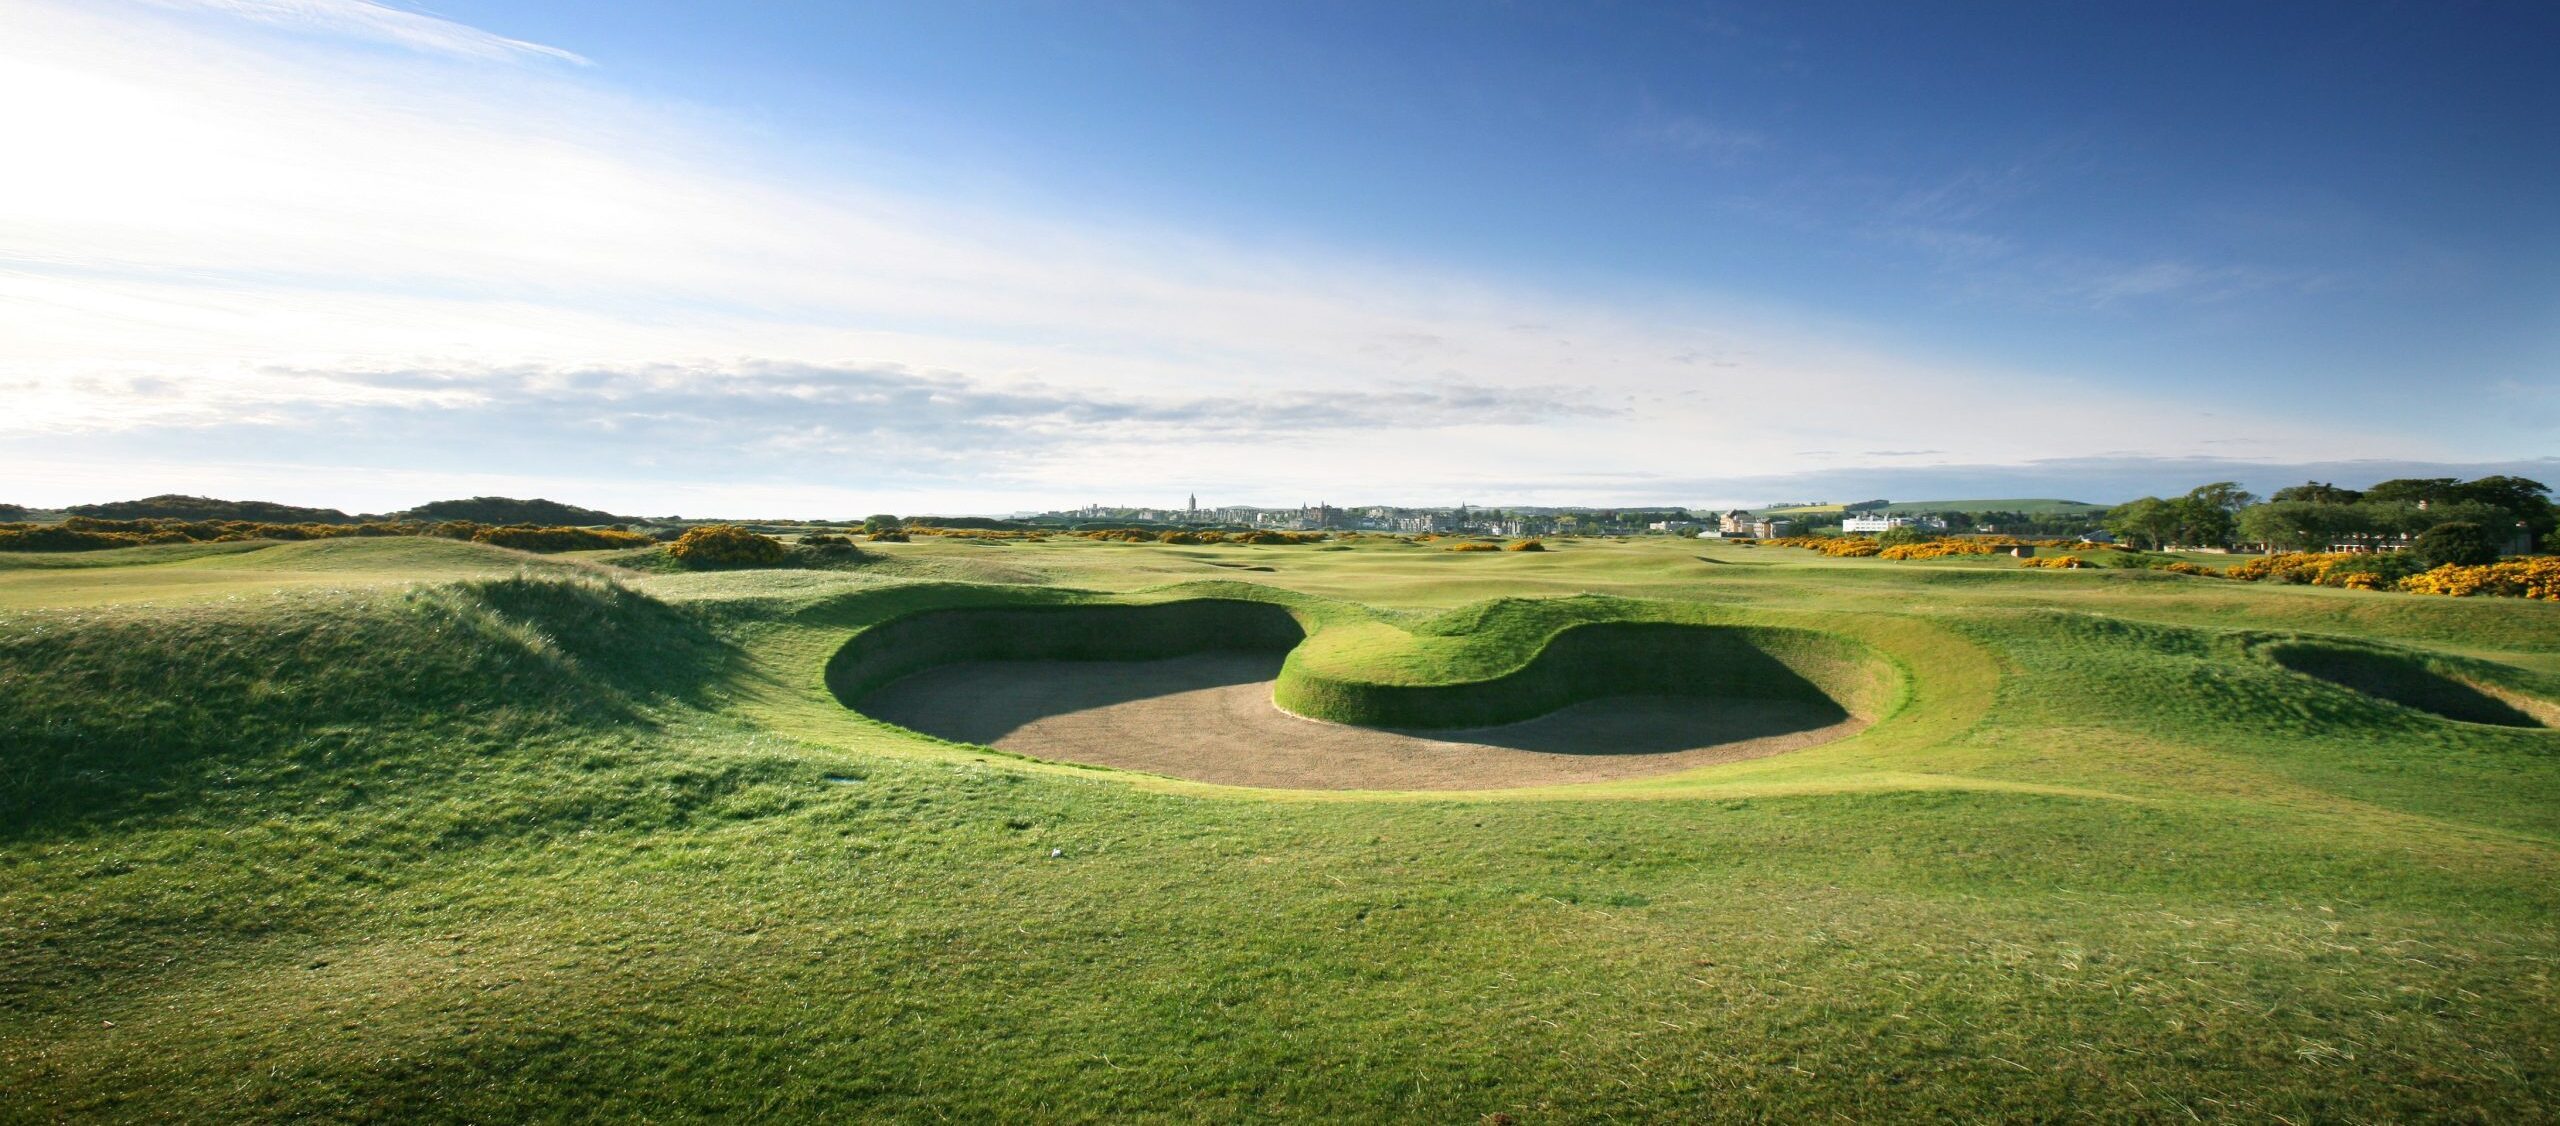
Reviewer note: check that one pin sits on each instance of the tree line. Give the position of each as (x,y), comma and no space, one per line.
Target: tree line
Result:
(2464,518)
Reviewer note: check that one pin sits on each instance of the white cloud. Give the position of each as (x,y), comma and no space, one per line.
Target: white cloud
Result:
(238,237)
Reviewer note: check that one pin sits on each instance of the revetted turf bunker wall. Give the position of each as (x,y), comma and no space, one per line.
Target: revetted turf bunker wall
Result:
(1620,658)
(2404,679)
(1580,662)
(921,641)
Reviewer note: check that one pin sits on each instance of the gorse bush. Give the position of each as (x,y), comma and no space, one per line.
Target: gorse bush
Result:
(527,537)
(2535,577)
(720,546)
(2285,567)
(1861,547)
(1473,547)
(826,551)
(1937,549)
(2346,570)
(2057,562)
(1528,545)
(1838,547)
(58,538)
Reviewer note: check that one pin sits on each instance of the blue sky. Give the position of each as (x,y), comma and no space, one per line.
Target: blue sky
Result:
(804,256)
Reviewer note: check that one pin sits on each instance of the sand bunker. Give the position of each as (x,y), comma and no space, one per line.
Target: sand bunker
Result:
(1208,716)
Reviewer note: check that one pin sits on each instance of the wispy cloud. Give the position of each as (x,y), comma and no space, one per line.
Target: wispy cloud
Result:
(380,23)
(938,436)
(250,249)
(741,403)
(1693,135)
(1970,226)
(1979,190)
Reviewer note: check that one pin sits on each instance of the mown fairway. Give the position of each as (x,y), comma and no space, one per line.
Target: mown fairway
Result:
(421,830)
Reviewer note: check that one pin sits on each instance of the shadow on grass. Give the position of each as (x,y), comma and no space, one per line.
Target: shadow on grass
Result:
(2400,679)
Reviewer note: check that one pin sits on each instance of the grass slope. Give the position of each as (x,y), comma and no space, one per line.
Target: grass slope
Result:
(474,844)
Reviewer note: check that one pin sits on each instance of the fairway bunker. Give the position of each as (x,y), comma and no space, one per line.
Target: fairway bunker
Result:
(1188,690)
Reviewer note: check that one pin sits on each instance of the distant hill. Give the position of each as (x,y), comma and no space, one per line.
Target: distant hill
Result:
(509,510)
(172,506)
(12,511)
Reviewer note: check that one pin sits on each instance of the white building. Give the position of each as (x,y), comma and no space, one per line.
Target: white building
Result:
(1879,522)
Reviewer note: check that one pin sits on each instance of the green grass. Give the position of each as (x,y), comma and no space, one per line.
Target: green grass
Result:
(397,832)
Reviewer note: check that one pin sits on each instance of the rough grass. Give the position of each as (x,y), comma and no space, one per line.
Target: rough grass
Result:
(488,847)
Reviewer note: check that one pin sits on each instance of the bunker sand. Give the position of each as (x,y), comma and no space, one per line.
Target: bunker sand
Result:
(1209,717)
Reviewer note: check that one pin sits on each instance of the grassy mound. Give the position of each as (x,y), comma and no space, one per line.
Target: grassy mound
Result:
(113,707)
(2408,679)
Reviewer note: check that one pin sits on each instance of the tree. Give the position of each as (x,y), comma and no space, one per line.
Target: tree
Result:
(2225,495)
(1894,536)
(2201,522)
(2148,522)
(2515,499)
(2300,525)
(2317,492)
(2527,500)
(2458,542)
(2412,490)
(881,523)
